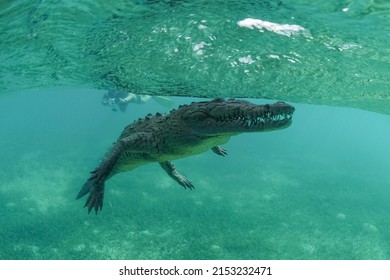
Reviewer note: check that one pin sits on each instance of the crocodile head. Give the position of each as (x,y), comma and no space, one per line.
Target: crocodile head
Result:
(234,116)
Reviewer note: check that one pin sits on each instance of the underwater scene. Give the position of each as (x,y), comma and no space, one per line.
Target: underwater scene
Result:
(318,189)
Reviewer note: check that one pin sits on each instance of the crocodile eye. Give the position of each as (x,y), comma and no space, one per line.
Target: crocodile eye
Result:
(195,115)
(198,115)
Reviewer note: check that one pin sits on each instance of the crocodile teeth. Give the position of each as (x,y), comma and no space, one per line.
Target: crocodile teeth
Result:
(260,120)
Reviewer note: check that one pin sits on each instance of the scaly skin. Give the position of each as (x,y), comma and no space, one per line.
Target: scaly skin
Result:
(189,130)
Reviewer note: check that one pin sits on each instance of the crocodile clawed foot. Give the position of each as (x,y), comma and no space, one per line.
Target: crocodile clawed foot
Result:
(219,151)
(183,181)
(171,171)
(95,199)
(95,188)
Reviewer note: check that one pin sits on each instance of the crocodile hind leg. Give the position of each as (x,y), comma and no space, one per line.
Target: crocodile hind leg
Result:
(170,168)
(95,183)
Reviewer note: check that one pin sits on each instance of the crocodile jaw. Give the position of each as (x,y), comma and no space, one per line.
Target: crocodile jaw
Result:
(237,116)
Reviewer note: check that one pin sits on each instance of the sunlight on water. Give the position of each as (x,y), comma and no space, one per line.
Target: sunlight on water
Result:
(318,52)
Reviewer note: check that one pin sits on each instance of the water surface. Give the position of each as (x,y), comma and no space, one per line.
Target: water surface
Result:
(319,52)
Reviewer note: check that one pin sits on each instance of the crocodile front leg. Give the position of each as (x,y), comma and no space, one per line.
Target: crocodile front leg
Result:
(170,168)
(219,151)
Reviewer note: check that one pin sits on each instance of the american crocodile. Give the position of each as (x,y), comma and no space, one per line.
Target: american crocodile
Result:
(189,130)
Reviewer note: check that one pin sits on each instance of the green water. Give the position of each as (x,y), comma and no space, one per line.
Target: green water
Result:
(317,190)
(339,55)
